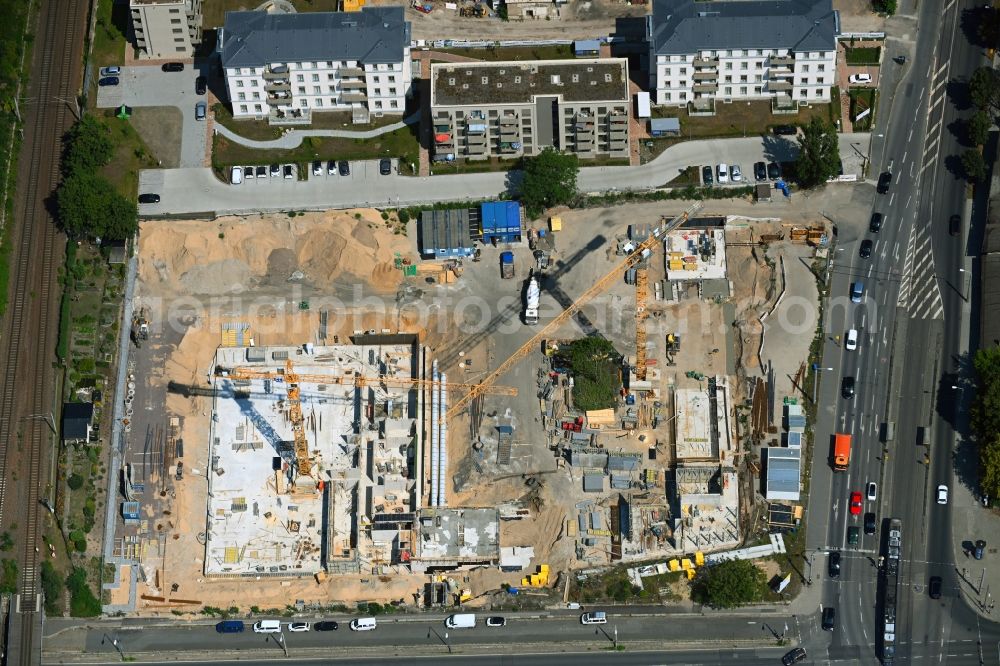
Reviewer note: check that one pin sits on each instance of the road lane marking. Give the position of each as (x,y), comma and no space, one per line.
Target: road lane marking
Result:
(905,153)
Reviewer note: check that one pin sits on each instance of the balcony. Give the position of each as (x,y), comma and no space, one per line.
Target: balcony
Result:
(277,85)
(350,71)
(706,62)
(280,72)
(780,73)
(775,86)
(781,61)
(705,87)
(706,76)
(352,84)
(509,132)
(350,97)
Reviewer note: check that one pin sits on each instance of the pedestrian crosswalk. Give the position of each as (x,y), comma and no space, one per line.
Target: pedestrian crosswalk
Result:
(920,288)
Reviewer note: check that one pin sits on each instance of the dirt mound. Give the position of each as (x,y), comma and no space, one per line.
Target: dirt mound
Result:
(235,254)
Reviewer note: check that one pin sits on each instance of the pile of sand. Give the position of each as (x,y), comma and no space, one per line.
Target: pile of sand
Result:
(232,255)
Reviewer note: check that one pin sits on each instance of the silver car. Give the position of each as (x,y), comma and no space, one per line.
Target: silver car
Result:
(200,109)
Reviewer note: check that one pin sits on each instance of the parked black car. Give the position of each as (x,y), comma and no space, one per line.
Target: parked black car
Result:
(979,550)
(875,225)
(149,198)
(326,625)
(385,166)
(108,81)
(884,180)
(786,130)
(173,67)
(706,176)
(760,171)
(773,171)
(200,85)
(344,167)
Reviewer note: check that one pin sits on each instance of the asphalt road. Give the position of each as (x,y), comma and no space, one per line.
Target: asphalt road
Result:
(198,190)
(913,326)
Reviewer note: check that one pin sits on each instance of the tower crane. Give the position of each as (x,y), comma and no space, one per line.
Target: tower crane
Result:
(641,251)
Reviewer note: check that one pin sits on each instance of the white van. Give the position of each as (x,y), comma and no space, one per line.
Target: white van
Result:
(363,624)
(461,621)
(267,627)
(722,174)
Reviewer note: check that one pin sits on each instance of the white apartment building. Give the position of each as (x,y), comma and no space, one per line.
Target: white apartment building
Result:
(703,52)
(287,66)
(166,28)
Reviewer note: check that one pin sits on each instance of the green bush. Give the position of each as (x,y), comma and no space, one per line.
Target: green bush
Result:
(75,482)
(52,588)
(596,377)
(728,584)
(8,577)
(82,601)
(6,541)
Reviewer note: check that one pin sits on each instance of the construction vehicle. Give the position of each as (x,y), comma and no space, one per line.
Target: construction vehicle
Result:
(423,7)
(542,259)
(506,265)
(673,347)
(531,302)
(140,327)
(841,452)
(642,249)
(474,11)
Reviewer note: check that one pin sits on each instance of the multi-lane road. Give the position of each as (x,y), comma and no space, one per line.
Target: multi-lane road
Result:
(913,325)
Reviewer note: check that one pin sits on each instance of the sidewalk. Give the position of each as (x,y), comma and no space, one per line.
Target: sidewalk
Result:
(292,138)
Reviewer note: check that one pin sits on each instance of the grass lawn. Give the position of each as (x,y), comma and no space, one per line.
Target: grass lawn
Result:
(863,55)
(131,155)
(109,40)
(401,143)
(690,176)
(734,120)
(214,11)
(861,99)
(261,130)
(258,130)
(553,52)
(160,128)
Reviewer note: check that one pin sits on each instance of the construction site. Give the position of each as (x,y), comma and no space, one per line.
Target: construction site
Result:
(339,420)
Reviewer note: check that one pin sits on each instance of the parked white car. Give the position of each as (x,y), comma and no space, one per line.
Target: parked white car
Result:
(860,78)
(736,173)
(236,176)
(722,174)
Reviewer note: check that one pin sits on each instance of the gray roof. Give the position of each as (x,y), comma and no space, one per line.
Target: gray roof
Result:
(665,124)
(373,35)
(783,469)
(689,26)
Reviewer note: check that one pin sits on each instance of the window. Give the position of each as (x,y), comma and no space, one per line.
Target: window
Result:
(378,105)
(805,68)
(729,90)
(684,71)
(392,79)
(257,108)
(803,92)
(729,65)
(175,21)
(329,63)
(729,79)
(175,10)
(256,94)
(305,104)
(316,90)
(756,90)
(393,104)
(178,31)
(178,40)
(743,79)
(684,95)
(302,90)
(820,68)
(744,65)
(319,102)
(819,92)
(743,90)
(243,108)
(300,78)
(239,83)
(392,91)
(666,97)
(180,49)
(241,96)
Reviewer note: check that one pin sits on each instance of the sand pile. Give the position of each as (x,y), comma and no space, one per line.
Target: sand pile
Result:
(232,255)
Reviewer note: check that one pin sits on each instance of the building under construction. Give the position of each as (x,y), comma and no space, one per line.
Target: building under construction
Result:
(314,456)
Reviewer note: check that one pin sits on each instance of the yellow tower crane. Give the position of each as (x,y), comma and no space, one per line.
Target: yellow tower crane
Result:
(641,251)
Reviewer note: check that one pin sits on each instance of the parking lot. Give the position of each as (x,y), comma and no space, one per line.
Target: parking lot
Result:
(149,86)
(340,173)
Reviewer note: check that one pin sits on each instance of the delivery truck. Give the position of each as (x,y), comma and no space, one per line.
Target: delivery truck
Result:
(461,621)
(841,452)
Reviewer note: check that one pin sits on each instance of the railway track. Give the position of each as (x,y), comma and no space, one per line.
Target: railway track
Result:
(31,322)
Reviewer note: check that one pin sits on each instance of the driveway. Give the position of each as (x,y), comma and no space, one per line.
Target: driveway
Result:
(197,190)
(150,86)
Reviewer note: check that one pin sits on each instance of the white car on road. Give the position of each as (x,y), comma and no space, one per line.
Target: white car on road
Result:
(851,341)
(942,494)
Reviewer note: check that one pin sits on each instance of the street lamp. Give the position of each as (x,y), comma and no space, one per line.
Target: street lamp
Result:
(114,641)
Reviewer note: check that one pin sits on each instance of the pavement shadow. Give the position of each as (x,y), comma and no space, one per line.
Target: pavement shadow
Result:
(981,26)
(957,90)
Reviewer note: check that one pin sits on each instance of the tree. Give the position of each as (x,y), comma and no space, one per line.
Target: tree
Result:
(985,417)
(819,153)
(988,28)
(52,587)
(549,179)
(82,601)
(88,146)
(979,127)
(596,380)
(885,6)
(89,206)
(8,577)
(729,584)
(974,165)
(984,89)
